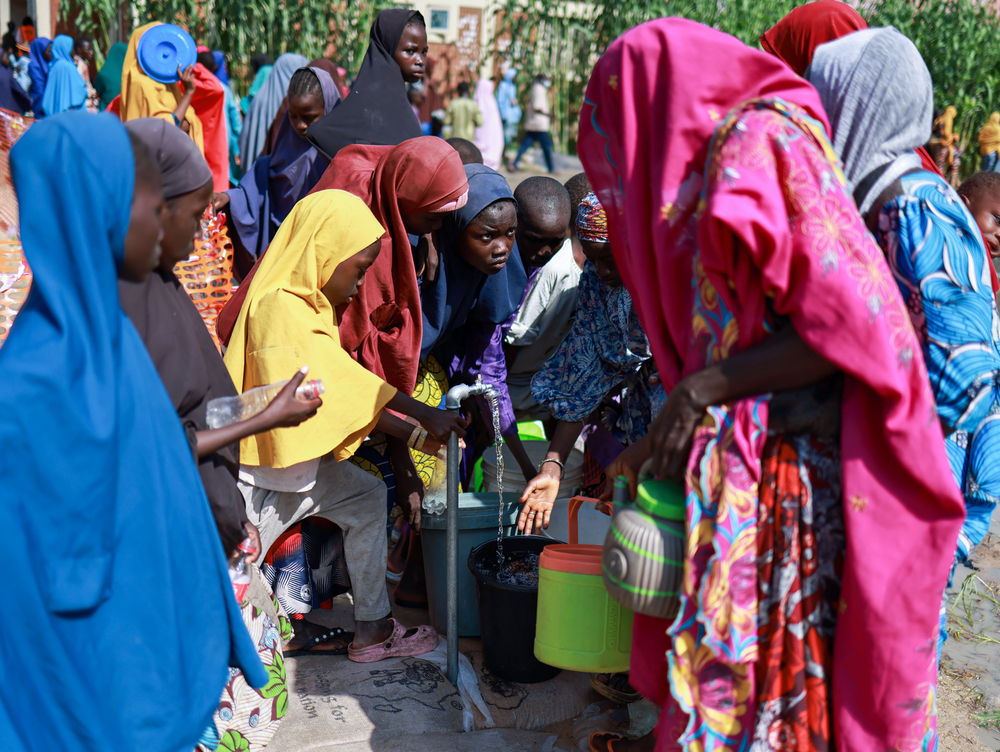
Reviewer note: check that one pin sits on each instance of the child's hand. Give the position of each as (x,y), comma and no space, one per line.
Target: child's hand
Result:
(286,410)
(219,201)
(538,499)
(187,77)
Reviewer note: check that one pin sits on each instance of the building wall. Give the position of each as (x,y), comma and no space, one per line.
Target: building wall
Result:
(465,25)
(43,11)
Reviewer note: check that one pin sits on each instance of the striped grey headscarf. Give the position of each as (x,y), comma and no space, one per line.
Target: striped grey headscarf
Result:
(878,95)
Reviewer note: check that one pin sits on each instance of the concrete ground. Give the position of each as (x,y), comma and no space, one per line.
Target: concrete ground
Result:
(407,704)
(339,706)
(567,165)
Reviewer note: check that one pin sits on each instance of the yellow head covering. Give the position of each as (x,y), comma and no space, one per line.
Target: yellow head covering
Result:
(287,322)
(989,135)
(144,97)
(946,123)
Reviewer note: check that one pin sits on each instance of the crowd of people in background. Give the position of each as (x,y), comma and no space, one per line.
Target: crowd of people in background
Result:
(768,284)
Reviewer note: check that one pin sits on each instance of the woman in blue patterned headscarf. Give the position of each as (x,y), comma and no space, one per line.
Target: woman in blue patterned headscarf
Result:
(605,359)
(107,543)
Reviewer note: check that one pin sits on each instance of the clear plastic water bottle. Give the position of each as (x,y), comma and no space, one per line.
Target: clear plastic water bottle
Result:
(224,411)
(436,492)
(239,574)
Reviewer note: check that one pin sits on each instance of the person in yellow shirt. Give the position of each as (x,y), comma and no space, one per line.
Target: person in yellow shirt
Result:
(463,114)
(989,143)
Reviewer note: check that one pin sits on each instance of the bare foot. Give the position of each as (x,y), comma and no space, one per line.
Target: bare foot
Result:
(368,633)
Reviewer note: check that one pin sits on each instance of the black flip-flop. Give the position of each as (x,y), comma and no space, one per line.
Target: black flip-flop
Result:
(319,639)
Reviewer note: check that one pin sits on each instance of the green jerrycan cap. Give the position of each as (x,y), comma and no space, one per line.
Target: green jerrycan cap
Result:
(661,498)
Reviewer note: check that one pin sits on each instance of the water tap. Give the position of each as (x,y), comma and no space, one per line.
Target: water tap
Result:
(460,392)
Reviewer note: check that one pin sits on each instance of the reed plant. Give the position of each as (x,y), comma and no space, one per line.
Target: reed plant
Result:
(240,28)
(959,39)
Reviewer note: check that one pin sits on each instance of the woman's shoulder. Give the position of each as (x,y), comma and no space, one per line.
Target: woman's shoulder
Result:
(924,192)
(770,138)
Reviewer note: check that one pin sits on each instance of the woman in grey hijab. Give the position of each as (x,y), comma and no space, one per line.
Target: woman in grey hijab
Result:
(880,100)
(878,94)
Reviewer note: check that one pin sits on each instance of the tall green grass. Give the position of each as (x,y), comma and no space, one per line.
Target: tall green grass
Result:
(959,39)
(314,28)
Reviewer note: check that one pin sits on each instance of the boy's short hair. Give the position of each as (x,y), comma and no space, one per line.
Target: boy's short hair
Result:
(467,150)
(463,89)
(207,59)
(980,183)
(577,186)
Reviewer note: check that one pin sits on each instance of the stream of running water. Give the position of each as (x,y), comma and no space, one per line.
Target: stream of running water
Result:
(494,404)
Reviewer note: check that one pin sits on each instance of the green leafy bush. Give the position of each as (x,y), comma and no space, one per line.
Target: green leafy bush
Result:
(959,39)
(314,28)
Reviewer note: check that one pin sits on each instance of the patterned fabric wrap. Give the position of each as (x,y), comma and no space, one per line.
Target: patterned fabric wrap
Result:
(591,220)
(432,385)
(248,718)
(603,353)
(716,661)
(800,550)
(305,567)
(770,225)
(15,274)
(935,251)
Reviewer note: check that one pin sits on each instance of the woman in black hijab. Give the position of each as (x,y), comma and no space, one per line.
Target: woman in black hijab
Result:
(377,110)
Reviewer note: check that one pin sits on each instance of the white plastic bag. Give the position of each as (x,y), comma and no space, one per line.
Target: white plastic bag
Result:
(468,685)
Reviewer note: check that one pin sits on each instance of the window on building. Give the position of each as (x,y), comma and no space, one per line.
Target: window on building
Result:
(439,20)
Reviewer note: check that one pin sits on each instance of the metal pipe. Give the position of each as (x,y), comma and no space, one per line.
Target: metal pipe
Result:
(453,401)
(451,571)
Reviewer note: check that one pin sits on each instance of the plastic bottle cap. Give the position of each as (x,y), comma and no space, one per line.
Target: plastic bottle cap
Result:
(163,49)
(247,545)
(661,498)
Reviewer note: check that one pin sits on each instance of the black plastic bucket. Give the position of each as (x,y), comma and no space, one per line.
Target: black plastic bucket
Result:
(507,614)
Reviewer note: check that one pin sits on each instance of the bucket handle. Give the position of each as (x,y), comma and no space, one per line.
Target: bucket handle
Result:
(574,510)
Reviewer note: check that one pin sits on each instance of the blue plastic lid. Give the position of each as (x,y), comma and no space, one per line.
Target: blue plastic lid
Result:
(163,49)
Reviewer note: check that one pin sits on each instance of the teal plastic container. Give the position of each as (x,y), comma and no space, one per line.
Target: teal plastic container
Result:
(477,523)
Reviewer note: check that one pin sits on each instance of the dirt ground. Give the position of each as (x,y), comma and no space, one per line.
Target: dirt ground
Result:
(969,682)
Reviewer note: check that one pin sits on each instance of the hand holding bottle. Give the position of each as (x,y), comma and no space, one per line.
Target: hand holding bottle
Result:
(287,410)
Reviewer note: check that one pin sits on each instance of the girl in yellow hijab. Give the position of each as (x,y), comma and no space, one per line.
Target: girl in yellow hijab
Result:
(143,97)
(945,144)
(316,262)
(989,143)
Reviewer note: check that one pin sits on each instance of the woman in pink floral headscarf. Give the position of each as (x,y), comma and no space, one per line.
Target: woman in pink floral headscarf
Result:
(798,400)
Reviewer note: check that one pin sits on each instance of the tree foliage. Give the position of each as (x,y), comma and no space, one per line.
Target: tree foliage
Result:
(959,39)
(314,28)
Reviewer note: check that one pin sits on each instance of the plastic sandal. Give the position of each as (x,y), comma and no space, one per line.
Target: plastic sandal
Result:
(399,644)
(308,648)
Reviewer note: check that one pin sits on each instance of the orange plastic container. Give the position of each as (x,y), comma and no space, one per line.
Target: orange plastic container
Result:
(579,627)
